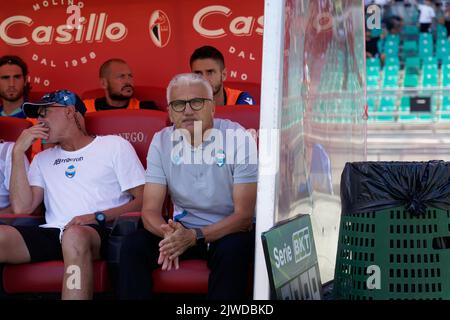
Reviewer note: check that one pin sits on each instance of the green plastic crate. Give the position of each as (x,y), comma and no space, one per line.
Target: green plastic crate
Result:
(401,245)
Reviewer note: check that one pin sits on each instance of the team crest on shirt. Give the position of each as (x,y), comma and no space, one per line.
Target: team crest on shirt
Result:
(176,159)
(70,171)
(220,158)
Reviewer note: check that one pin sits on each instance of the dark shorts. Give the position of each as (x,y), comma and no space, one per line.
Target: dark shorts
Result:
(43,243)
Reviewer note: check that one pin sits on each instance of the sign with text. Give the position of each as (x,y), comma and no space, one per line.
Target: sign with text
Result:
(64,42)
(291,260)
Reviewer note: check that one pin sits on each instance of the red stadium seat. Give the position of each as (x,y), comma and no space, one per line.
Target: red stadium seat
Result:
(137,126)
(47,276)
(34,96)
(191,277)
(253,88)
(142,93)
(11,128)
(246,116)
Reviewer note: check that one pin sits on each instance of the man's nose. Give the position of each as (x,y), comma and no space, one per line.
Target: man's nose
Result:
(188,109)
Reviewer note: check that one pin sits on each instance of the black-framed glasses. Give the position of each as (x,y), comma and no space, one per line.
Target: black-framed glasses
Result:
(42,111)
(195,103)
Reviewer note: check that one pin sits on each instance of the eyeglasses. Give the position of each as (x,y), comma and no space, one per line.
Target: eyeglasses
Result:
(195,103)
(42,112)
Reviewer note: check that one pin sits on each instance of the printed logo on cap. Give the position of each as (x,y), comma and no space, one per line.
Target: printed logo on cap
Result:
(159,28)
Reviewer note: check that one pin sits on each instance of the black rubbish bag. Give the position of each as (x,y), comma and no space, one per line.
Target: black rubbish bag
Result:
(373,186)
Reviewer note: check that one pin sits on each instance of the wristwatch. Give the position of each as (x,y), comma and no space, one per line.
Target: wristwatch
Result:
(200,237)
(100,218)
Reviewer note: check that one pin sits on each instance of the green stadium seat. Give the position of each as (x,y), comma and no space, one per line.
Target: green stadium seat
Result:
(392,39)
(446,79)
(430,60)
(425,38)
(407,117)
(372,101)
(425,52)
(385,118)
(425,117)
(430,68)
(412,62)
(446,67)
(391,51)
(443,51)
(373,71)
(372,82)
(405,103)
(376,32)
(392,61)
(390,82)
(446,103)
(430,80)
(446,59)
(411,80)
(373,62)
(388,103)
(410,48)
(444,117)
(392,70)
(441,32)
(410,30)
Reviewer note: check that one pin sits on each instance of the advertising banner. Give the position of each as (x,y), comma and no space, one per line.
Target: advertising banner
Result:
(64,42)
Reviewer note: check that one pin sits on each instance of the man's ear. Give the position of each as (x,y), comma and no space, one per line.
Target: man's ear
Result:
(213,108)
(103,83)
(70,111)
(224,74)
(169,111)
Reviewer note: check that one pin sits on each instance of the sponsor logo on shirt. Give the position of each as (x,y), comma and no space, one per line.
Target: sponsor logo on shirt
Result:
(70,171)
(220,158)
(59,161)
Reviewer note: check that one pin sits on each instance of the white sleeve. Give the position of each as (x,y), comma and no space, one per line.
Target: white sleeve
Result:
(127,166)
(34,174)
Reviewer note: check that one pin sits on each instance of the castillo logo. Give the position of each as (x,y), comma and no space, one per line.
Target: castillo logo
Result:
(159,27)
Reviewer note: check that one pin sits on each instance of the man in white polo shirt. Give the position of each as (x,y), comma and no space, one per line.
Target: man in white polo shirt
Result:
(84,182)
(209,168)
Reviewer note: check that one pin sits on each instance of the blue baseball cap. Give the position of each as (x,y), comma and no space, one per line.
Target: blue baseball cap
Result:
(62,97)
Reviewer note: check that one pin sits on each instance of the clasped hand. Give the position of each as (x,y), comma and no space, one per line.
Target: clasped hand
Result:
(177,239)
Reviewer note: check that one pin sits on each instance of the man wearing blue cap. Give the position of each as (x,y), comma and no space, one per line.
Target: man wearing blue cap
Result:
(84,182)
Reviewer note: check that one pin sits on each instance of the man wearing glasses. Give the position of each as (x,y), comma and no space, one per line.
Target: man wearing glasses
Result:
(209,168)
(84,182)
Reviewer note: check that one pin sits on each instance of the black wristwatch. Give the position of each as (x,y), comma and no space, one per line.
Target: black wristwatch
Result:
(200,237)
(100,218)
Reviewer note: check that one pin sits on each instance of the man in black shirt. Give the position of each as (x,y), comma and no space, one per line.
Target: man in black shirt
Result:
(116,79)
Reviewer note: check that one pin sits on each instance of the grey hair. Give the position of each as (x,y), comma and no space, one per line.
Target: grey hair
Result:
(187,79)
